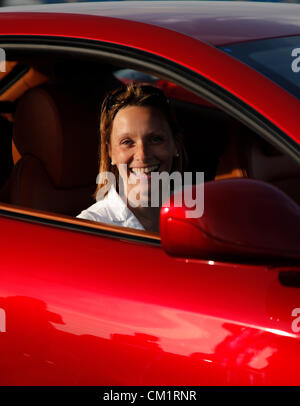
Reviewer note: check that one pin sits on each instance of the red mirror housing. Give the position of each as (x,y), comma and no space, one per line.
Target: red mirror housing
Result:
(242,219)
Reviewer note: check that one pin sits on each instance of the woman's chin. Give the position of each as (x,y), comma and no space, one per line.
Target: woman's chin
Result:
(139,197)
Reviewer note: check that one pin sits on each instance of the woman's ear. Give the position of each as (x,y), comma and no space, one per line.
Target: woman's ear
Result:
(109,154)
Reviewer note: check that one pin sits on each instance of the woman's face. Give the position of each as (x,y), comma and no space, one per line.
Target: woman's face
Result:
(141,143)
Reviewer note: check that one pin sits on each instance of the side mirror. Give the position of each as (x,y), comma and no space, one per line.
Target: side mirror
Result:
(243,219)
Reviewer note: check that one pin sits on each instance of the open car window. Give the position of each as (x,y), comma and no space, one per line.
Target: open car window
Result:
(50,141)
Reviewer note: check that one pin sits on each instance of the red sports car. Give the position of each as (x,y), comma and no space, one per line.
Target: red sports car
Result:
(212,300)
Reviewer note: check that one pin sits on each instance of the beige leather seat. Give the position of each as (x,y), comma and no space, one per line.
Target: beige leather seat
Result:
(266,163)
(249,156)
(56,134)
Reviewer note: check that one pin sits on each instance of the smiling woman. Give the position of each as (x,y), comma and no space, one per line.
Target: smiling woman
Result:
(139,137)
(211,299)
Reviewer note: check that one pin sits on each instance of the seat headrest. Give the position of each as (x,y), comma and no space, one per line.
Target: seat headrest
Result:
(268,164)
(60,127)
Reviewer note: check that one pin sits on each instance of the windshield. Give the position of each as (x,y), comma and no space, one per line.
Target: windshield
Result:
(277,58)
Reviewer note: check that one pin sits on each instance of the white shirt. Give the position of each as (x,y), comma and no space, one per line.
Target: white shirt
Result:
(111,210)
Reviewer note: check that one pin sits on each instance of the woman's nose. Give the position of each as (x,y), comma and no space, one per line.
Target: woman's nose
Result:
(141,152)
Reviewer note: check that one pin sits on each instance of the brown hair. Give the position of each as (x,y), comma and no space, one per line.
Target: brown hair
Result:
(134,94)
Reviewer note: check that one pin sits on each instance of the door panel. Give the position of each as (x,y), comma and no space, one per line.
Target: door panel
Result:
(84,309)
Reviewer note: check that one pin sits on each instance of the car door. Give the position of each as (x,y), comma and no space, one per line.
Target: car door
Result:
(86,304)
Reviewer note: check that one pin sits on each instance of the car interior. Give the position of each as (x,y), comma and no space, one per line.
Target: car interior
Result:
(49,124)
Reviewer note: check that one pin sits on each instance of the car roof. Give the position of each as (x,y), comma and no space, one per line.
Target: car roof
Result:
(214,22)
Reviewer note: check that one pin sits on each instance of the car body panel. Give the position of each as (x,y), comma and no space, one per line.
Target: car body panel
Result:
(77,313)
(97,307)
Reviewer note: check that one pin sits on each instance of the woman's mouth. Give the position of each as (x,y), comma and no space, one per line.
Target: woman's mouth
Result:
(146,170)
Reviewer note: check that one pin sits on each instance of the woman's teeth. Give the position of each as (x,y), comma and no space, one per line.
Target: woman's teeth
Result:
(148,169)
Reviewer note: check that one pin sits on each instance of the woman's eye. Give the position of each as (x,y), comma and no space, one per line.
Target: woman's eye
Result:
(157,138)
(126,142)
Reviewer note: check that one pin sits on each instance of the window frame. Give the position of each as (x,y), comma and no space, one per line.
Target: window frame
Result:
(128,57)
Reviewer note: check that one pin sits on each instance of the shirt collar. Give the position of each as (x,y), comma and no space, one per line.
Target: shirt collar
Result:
(118,210)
